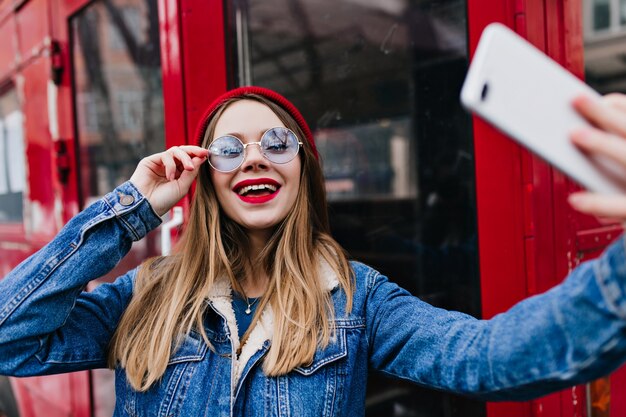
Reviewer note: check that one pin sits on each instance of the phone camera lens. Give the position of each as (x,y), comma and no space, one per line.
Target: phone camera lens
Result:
(484,92)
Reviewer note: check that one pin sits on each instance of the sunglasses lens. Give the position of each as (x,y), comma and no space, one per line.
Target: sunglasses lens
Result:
(226,153)
(280,145)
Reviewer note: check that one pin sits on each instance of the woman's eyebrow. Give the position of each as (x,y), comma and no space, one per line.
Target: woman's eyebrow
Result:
(241,135)
(236,134)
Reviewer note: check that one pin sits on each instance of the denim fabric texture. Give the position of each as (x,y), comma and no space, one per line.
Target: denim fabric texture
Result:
(573,333)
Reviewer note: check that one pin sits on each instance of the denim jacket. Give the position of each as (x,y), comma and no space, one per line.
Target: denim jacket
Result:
(573,333)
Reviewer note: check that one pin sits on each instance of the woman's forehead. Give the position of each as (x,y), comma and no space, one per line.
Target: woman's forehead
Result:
(246,117)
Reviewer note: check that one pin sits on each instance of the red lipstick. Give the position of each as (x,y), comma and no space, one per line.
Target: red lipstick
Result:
(257,199)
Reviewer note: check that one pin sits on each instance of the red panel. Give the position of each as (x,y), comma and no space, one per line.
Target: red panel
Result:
(172,73)
(549,406)
(44,199)
(61,13)
(12,249)
(499,195)
(574,45)
(23,396)
(204,64)
(32,28)
(8,34)
(534,31)
(204,56)
(618,393)
(79,388)
(44,396)
(517,250)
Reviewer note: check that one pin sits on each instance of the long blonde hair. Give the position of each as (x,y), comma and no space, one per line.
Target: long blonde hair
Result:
(170,292)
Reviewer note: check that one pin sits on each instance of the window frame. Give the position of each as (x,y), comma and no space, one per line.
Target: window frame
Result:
(615,26)
(15,231)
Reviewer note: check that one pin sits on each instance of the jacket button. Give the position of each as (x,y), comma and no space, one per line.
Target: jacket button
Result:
(126,200)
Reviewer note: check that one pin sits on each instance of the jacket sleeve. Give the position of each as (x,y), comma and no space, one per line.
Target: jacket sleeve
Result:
(571,334)
(48,324)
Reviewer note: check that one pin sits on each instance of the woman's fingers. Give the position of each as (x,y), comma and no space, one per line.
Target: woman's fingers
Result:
(609,206)
(598,142)
(165,177)
(167,159)
(606,113)
(188,175)
(605,139)
(616,100)
(178,159)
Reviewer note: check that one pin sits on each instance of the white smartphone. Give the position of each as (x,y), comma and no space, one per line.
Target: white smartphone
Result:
(528,96)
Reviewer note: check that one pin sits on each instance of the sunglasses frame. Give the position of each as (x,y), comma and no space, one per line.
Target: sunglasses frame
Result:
(245,146)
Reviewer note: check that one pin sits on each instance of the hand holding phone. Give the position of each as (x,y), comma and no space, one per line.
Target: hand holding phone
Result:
(607,137)
(528,96)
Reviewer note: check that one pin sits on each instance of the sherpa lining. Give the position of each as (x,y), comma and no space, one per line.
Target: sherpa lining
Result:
(221,299)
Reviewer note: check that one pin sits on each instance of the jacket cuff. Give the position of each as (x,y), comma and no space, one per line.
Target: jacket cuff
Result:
(610,272)
(133,210)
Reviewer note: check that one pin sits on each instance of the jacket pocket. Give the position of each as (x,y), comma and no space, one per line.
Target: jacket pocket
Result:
(335,350)
(166,396)
(193,348)
(317,388)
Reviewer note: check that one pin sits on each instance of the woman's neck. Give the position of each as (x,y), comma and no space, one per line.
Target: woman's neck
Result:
(255,282)
(258,240)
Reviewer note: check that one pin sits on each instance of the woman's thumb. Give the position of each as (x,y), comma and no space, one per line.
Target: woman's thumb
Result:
(186,177)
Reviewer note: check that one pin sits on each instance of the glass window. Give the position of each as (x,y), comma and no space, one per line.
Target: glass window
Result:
(605,67)
(118,90)
(601,14)
(119,109)
(133,21)
(379,84)
(12,159)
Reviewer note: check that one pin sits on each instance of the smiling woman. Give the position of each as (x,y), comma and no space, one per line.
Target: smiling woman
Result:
(237,189)
(180,330)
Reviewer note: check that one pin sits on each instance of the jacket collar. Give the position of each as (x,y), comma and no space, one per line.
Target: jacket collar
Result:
(220,298)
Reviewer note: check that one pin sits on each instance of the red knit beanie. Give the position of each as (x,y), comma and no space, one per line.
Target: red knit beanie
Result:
(268,94)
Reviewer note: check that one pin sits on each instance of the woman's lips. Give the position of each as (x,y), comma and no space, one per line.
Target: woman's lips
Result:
(248,190)
(258,199)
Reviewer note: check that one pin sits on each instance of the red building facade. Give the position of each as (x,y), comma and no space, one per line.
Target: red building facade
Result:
(437,200)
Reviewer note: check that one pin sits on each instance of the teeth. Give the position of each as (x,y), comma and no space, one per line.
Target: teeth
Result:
(269,187)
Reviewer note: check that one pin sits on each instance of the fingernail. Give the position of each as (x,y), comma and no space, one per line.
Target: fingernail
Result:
(582,134)
(573,198)
(576,200)
(581,99)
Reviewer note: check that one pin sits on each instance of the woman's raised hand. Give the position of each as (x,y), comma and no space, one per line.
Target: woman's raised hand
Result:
(607,138)
(165,177)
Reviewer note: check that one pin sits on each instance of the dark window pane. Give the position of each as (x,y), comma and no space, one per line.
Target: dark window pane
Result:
(601,14)
(622,13)
(379,84)
(12,159)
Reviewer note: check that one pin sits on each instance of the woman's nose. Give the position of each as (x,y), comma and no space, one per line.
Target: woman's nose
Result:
(254,159)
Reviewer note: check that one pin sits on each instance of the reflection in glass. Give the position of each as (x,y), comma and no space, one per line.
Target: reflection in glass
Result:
(379,84)
(12,159)
(622,13)
(118,97)
(119,100)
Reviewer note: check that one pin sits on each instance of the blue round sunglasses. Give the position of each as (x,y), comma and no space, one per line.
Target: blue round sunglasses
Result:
(279,145)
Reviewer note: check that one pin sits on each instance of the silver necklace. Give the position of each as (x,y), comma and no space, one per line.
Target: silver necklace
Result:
(250,304)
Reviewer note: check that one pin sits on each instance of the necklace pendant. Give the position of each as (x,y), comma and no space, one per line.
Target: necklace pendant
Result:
(248,311)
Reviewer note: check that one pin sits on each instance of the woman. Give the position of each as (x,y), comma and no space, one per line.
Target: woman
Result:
(258,312)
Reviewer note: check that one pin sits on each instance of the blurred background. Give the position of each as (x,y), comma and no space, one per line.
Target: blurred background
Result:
(440,202)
